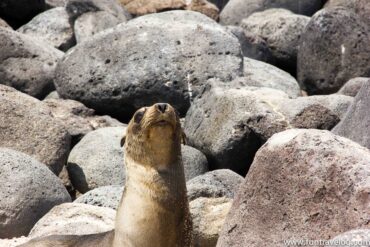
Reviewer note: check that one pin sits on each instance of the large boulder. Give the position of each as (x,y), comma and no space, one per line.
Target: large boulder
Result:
(106,196)
(355,124)
(175,52)
(52,26)
(92,23)
(353,86)
(229,124)
(360,7)
(214,184)
(97,160)
(19,12)
(74,219)
(208,215)
(303,184)
(331,53)
(26,125)
(281,30)
(77,118)
(236,10)
(195,162)
(13,242)
(27,64)
(28,191)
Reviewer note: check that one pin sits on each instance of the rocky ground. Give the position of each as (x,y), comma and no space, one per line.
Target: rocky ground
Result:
(274,96)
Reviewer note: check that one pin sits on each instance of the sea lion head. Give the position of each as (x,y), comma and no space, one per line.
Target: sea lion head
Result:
(154,136)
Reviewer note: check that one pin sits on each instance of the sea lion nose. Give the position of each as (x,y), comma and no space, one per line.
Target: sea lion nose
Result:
(162,107)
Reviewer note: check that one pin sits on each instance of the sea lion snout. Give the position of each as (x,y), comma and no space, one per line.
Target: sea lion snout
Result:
(162,107)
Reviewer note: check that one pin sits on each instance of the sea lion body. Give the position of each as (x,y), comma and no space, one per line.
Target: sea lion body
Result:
(154,209)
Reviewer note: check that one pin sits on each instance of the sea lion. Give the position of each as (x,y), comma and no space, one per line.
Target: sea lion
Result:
(154,209)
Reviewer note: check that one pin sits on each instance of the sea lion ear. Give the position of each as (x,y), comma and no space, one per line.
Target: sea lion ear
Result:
(183,137)
(123,140)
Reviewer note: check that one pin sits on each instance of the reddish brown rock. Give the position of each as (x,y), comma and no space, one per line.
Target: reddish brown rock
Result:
(303,184)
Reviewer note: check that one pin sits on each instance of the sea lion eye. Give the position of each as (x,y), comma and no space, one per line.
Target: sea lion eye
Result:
(138,116)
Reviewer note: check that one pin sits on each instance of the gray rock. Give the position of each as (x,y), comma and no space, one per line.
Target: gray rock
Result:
(175,50)
(355,124)
(236,10)
(27,64)
(195,162)
(359,237)
(92,23)
(353,86)
(28,191)
(77,118)
(252,46)
(76,8)
(52,95)
(55,3)
(26,125)
(229,124)
(97,160)
(360,7)
(3,24)
(19,12)
(260,74)
(52,26)
(303,184)
(315,112)
(214,184)
(74,219)
(106,196)
(208,215)
(331,53)
(281,30)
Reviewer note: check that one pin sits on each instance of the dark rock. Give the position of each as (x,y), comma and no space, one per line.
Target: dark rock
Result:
(214,184)
(281,30)
(303,184)
(98,160)
(219,3)
(176,51)
(52,26)
(19,12)
(27,64)
(360,7)
(236,10)
(195,162)
(331,53)
(252,46)
(26,125)
(28,191)
(355,124)
(353,86)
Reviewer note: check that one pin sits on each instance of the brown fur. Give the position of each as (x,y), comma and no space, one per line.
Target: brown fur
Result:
(154,210)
